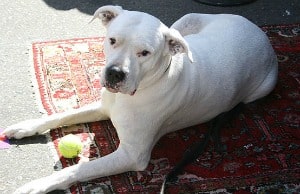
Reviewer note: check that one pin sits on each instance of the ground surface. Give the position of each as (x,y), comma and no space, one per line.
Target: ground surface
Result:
(25,21)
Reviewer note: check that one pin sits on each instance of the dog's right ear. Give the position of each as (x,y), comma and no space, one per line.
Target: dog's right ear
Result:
(107,13)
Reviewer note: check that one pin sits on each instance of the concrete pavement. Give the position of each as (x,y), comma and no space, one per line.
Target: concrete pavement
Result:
(25,21)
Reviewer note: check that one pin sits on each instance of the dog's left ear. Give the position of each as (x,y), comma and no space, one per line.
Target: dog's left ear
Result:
(107,13)
(175,44)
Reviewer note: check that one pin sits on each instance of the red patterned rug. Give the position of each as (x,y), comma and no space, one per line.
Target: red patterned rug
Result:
(263,143)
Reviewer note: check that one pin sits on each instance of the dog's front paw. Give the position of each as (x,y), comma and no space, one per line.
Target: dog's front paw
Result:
(44,185)
(38,186)
(24,129)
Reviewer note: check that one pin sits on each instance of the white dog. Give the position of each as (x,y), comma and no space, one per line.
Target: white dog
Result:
(158,80)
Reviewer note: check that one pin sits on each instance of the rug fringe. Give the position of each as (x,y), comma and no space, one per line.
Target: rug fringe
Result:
(34,82)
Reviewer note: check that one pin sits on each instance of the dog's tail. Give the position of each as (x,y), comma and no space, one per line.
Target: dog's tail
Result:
(190,155)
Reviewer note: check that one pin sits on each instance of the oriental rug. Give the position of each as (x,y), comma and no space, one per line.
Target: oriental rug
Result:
(263,143)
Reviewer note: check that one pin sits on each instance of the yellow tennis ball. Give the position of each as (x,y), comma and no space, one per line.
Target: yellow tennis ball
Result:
(70,146)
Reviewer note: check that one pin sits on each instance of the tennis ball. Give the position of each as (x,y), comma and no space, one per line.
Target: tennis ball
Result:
(70,146)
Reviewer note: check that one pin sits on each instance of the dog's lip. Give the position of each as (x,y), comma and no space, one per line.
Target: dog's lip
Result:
(114,90)
(133,92)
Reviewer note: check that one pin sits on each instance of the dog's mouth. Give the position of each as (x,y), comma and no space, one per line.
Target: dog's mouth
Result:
(117,89)
(112,90)
(133,92)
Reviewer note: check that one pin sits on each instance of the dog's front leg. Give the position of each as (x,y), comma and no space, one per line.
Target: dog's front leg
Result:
(89,113)
(122,160)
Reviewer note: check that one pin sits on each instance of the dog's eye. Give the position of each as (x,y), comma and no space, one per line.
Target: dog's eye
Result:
(144,53)
(112,41)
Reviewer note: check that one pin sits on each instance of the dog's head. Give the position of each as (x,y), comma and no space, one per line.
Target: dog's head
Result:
(138,47)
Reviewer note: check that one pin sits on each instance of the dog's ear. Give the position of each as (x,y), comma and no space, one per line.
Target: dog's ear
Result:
(107,13)
(175,43)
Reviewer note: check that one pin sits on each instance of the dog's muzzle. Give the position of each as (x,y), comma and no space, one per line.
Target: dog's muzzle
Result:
(114,76)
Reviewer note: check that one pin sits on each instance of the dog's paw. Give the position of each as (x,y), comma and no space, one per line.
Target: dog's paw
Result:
(44,185)
(38,186)
(23,129)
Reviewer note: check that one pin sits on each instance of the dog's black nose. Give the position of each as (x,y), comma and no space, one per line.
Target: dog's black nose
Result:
(114,75)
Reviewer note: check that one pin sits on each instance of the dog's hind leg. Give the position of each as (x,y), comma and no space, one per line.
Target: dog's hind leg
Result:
(212,133)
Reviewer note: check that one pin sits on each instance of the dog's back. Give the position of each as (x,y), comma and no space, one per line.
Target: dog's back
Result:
(233,62)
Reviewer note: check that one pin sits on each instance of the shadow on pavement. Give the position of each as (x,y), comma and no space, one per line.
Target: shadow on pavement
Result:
(36,139)
(261,12)
(85,6)
(167,10)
